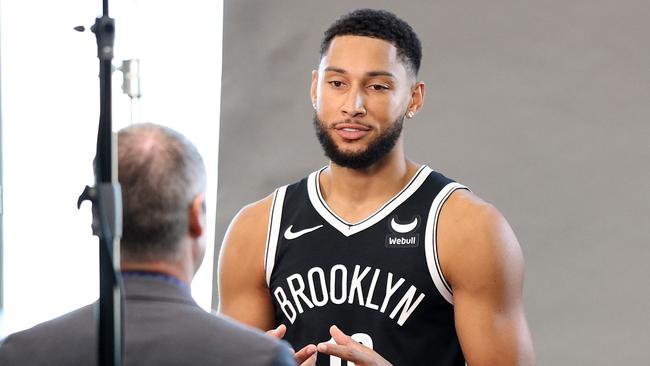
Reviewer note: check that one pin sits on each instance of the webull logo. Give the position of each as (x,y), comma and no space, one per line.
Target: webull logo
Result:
(403,235)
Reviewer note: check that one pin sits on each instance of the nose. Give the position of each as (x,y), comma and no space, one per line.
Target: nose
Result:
(354,104)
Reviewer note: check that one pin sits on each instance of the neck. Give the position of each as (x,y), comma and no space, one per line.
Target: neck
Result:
(354,194)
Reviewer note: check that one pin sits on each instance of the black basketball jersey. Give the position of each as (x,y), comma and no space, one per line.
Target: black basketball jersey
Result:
(378,280)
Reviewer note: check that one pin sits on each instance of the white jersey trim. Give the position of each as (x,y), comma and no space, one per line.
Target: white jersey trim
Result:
(275,216)
(430,241)
(348,229)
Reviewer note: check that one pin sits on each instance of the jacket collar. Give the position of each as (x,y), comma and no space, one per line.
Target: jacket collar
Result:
(156,288)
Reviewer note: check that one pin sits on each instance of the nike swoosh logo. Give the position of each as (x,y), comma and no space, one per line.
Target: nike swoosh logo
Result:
(403,228)
(289,235)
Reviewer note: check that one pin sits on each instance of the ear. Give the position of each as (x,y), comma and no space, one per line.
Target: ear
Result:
(314,88)
(197,216)
(417,97)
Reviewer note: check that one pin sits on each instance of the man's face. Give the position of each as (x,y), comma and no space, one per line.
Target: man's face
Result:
(361,93)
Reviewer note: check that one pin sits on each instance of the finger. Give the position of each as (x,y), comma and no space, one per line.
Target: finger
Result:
(278,332)
(340,337)
(271,332)
(305,353)
(344,352)
(304,356)
(311,361)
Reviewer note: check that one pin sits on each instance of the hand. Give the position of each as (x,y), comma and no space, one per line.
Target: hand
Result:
(305,357)
(348,349)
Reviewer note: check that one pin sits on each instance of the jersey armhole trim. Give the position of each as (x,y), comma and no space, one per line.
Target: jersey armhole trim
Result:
(430,242)
(275,217)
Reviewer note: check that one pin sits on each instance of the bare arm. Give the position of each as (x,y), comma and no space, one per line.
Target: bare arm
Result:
(482,260)
(243,292)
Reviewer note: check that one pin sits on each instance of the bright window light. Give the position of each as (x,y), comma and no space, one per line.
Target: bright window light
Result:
(50,107)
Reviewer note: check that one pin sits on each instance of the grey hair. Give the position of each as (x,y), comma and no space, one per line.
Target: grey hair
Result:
(161,172)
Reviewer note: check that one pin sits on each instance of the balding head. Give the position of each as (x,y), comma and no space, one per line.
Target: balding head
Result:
(161,172)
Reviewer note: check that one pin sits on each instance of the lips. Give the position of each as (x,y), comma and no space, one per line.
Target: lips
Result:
(351,131)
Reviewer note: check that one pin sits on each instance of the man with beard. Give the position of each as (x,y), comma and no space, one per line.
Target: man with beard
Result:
(376,259)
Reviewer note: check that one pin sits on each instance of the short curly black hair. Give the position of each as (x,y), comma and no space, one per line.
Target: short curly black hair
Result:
(379,24)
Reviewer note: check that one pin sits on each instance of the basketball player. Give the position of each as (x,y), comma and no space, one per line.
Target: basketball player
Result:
(376,259)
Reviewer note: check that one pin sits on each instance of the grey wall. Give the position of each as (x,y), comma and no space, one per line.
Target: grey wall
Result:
(542,108)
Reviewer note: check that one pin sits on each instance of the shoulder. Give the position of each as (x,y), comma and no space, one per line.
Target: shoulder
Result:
(248,229)
(233,342)
(476,243)
(199,337)
(252,216)
(234,331)
(50,341)
(243,345)
(467,211)
(77,323)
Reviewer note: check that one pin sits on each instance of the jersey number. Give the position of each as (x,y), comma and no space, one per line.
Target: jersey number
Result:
(362,338)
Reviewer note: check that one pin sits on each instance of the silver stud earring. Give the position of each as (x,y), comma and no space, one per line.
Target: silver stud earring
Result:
(410,114)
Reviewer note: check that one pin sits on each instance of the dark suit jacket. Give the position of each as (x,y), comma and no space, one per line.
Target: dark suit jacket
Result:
(163,326)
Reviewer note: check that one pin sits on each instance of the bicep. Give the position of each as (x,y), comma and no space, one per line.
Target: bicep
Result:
(487,281)
(243,294)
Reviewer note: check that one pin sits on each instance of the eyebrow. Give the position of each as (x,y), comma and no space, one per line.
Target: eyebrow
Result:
(369,73)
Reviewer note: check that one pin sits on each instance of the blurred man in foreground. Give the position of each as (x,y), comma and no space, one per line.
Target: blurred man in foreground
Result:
(163,244)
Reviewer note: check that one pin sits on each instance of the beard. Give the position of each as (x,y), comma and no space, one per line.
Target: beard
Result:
(376,150)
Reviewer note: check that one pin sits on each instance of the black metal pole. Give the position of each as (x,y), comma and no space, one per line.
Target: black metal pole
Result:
(107,206)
